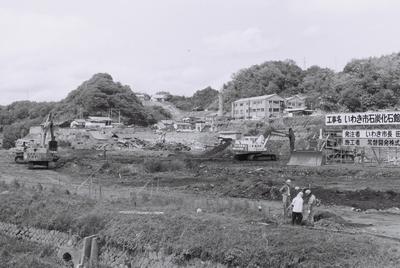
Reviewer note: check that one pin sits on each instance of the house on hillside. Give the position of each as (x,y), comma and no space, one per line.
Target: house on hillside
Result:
(259,107)
(296,102)
(183,127)
(165,125)
(160,97)
(296,106)
(142,96)
(298,112)
(98,122)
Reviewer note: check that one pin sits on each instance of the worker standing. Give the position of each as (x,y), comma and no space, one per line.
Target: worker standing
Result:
(285,191)
(297,209)
(292,139)
(311,203)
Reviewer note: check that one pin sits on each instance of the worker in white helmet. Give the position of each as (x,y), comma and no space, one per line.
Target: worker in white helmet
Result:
(297,209)
(311,204)
(285,191)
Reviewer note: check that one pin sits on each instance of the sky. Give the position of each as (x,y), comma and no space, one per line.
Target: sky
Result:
(48,48)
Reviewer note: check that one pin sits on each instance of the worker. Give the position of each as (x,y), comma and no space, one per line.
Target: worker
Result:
(292,139)
(311,203)
(162,136)
(24,146)
(297,209)
(362,156)
(105,152)
(285,191)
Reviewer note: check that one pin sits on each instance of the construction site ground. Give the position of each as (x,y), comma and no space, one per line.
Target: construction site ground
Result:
(359,212)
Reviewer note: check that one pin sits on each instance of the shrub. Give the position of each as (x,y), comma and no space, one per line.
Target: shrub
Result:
(157,165)
(62,221)
(89,224)
(15,184)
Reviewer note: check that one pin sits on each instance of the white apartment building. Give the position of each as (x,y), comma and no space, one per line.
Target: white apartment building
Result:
(258,107)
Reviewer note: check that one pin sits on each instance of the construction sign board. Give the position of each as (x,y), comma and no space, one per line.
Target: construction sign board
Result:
(362,119)
(371,142)
(371,133)
(371,137)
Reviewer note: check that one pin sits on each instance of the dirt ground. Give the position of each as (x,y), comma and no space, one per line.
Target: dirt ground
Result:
(363,200)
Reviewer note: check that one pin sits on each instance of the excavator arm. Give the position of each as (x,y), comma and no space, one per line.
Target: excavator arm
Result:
(47,126)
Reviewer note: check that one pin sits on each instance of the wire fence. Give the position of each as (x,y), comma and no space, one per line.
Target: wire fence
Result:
(152,196)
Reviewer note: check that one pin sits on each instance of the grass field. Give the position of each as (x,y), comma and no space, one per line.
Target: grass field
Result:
(234,237)
(22,254)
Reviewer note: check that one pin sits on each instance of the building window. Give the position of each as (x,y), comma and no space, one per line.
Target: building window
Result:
(262,109)
(241,104)
(270,102)
(270,109)
(276,110)
(276,102)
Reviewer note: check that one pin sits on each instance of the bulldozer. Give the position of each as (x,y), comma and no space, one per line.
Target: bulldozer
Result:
(312,157)
(43,154)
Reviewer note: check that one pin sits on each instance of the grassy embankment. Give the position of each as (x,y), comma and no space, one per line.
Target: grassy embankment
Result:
(225,234)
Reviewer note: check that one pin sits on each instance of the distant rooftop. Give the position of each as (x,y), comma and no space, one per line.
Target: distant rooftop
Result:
(296,96)
(99,118)
(258,97)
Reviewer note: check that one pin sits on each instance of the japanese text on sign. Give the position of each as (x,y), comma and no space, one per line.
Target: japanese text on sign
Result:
(373,118)
(371,133)
(371,142)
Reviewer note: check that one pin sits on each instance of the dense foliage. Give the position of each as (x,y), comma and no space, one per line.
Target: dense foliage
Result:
(365,84)
(95,96)
(100,94)
(206,98)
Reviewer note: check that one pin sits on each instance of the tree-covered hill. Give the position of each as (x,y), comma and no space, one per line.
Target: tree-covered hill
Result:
(98,95)
(95,96)
(364,84)
(202,99)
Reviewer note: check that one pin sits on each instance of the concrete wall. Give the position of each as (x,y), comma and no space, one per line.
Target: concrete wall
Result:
(109,256)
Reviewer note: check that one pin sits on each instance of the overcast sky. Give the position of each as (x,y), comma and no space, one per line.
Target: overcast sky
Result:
(48,47)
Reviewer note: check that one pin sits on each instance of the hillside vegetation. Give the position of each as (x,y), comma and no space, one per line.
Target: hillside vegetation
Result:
(206,98)
(95,97)
(364,84)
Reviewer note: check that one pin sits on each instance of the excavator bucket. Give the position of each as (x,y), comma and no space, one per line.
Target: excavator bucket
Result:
(306,158)
(218,148)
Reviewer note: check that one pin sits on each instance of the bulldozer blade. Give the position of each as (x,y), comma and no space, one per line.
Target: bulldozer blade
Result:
(306,158)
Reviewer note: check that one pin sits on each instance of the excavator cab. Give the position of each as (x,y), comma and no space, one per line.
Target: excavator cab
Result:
(53,146)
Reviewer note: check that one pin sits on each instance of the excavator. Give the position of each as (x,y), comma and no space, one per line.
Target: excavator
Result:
(43,155)
(254,148)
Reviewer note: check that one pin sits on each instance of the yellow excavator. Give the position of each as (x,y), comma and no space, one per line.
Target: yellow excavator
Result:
(44,154)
